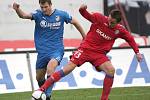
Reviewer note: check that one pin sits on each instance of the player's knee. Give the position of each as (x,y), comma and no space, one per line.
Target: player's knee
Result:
(52,63)
(111,72)
(38,78)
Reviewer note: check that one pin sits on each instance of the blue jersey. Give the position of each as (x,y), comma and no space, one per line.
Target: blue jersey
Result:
(48,34)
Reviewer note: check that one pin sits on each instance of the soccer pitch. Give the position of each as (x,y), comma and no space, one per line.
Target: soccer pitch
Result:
(130,93)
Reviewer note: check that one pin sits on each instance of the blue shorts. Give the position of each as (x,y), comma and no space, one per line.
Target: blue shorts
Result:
(43,59)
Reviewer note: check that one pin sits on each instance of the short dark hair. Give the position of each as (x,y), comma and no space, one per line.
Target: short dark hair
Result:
(44,1)
(115,13)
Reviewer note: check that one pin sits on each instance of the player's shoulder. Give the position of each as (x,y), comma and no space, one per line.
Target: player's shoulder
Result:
(37,11)
(97,14)
(60,11)
(99,17)
(120,27)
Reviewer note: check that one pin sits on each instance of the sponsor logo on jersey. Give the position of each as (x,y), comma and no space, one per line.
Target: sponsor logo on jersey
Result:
(103,35)
(43,23)
(53,25)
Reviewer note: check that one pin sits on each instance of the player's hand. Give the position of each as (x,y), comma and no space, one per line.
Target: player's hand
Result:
(83,6)
(15,6)
(139,57)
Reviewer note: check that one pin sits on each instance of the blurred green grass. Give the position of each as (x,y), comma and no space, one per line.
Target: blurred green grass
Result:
(128,93)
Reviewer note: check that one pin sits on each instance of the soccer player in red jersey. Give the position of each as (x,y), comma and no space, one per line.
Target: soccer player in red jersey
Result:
(98,42)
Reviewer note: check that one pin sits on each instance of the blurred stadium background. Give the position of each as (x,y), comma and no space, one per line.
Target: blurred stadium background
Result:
(18,55)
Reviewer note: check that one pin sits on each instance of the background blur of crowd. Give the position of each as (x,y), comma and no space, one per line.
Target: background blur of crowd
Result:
(136,13)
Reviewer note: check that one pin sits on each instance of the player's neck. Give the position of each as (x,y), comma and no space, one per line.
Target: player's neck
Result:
(50,12)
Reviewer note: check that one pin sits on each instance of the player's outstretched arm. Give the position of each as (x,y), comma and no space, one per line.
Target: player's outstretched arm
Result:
(21,13)
(129,38)
(86,14)
(83,6)
(78,27)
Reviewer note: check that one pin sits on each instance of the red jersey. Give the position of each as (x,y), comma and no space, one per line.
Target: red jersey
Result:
(101,37)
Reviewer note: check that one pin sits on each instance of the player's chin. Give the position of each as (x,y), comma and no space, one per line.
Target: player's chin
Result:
(46,13)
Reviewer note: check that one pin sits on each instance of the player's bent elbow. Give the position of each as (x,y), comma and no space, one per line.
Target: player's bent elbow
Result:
(25,16)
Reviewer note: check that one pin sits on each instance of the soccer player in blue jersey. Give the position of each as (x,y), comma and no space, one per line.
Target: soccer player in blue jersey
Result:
(48,37)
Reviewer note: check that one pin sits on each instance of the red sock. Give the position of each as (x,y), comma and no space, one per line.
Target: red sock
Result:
(52,79)
(108,81)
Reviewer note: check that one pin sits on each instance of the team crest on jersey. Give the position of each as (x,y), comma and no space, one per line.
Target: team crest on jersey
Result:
(116,31)
(57,18)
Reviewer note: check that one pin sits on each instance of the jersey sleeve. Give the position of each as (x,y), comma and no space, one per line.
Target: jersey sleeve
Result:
(67,17)
(35,15)
(92,17)
(129,38)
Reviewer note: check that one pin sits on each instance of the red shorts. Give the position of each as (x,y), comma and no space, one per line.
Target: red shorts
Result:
(83,55)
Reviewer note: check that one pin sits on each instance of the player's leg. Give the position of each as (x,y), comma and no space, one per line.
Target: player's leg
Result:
(108,68)
(40,76)
(53,63)
(76,59)
(56,76)
(55,59)
(41,68)
(41,64)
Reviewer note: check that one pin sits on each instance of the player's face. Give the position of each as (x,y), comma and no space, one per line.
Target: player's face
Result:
(112,21)
(46,8)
